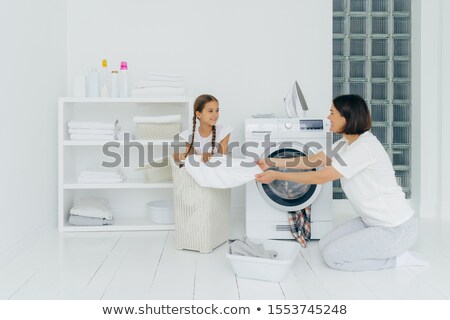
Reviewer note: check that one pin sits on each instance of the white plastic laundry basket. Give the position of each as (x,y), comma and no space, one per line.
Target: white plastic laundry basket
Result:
(274,270)
(202,215)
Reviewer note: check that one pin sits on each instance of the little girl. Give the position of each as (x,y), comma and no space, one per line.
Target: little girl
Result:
(207,138)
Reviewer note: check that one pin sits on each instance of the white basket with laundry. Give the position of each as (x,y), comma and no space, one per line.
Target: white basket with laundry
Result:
(202,215)
(266,260)
(157,128)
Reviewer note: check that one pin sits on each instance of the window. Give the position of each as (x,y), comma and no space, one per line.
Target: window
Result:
(372,58)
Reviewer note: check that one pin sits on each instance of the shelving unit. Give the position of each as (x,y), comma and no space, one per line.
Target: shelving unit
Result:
(127,199)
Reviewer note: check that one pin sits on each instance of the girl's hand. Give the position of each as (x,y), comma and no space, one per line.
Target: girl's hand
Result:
(267,176)
(179,157)
(206,157)
(262,164)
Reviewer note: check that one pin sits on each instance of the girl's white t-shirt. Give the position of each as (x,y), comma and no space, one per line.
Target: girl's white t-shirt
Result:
(203,145)
(369,181)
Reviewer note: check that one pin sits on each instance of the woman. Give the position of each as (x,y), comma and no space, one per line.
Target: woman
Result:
(386,226)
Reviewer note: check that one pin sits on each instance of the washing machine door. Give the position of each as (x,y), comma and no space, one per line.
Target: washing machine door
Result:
(287,195)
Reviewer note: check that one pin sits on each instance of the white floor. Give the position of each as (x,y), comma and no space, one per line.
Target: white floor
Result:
(146,265)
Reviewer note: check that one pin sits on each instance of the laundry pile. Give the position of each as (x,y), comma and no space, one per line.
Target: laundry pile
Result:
(247,248)
(91,212)
(100,175)
(159,85)
(93,130)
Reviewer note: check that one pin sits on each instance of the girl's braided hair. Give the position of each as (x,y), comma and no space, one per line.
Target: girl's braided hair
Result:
(199,105)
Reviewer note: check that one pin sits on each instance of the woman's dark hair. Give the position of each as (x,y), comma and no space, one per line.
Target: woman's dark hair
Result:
(356,113)
(199,105)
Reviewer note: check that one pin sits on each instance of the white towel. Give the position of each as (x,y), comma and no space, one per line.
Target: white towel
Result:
(159,119)
(221,172)
(164,77)
(88,221)
(92,207)
(93,124)
(93,131)
(95,171)
(121,135)
(99,137)
(154,83)
(141,92)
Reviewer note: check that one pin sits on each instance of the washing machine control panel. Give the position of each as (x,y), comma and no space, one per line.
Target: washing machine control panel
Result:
(288,124)
(285,128)
(295,127)
(303,124)
(311,124)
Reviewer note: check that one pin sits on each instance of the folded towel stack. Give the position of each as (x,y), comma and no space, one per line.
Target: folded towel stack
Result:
(159,85)
(93,130)
(100,175)
(91,212)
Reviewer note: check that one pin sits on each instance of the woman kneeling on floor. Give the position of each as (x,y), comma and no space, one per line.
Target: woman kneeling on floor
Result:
(386,227)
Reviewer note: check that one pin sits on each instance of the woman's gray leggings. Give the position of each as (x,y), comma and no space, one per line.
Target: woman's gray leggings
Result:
(357,246)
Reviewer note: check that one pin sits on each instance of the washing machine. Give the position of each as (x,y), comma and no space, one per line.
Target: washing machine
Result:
(267,205)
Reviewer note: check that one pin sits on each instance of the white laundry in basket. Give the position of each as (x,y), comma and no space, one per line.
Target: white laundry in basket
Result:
(221,172)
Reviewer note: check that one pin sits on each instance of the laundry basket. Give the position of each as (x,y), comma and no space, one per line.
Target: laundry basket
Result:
(202,215)
(160,173)
(157,131)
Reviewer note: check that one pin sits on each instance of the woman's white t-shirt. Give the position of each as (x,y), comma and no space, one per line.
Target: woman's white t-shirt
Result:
(203,145)
(369,181)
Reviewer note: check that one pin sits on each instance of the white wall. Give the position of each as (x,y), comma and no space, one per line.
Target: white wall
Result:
(32,58)
(433,182)
(416,187)
(247,53)
(445,114)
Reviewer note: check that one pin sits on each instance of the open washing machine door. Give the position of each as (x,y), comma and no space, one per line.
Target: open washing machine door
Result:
(286,195)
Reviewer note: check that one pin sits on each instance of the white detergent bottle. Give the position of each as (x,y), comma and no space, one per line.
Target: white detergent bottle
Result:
(93,84)
(104,77)
(79,85)
(114,84)
(123,80)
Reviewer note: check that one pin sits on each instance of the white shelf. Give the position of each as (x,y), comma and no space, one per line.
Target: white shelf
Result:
(121,224)
(132,194)
(121,142)
(157,99)
(128,184)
